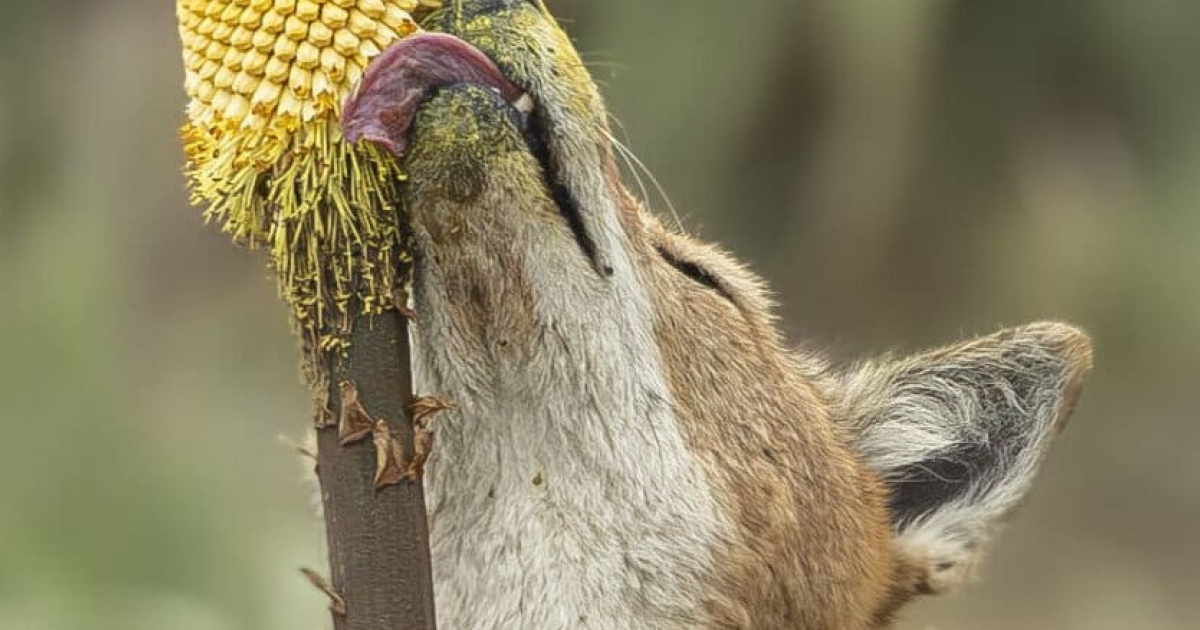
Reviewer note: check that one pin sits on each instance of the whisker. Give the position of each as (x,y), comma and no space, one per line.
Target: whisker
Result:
(635,164)
(610,65)
(623,153)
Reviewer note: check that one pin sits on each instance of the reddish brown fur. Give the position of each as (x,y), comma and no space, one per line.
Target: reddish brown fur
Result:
(812,544)
(814,548)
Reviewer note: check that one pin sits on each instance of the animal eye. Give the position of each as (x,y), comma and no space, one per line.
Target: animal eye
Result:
(698,274)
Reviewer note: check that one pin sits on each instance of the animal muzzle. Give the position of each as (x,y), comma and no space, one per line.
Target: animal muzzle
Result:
(515,50)
(400,80)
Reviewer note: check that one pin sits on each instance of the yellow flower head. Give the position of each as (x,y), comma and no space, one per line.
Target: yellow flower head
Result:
(266,156)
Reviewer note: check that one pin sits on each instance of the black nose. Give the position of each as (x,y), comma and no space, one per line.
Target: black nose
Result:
(469,9)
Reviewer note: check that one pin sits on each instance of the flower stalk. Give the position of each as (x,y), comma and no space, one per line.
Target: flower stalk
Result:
(267,161)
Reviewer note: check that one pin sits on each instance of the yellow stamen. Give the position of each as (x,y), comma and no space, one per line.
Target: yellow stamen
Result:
(266,157)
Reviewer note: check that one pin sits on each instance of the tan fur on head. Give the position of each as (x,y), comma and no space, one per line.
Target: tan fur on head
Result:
(632,445)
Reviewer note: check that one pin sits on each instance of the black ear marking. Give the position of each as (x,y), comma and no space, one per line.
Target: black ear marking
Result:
(974,465)
(958,435)
(919,488)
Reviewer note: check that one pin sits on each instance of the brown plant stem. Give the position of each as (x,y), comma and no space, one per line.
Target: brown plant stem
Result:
(378,538)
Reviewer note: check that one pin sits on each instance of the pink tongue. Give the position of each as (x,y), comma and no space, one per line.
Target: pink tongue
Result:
(397,81)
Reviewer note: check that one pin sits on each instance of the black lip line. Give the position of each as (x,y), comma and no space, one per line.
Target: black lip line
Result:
(537,136)
(404,77)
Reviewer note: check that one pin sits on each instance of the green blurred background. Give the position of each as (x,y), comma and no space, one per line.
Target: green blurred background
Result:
(903,172)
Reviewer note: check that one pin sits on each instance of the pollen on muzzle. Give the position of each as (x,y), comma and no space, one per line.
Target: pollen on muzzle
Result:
(265,154)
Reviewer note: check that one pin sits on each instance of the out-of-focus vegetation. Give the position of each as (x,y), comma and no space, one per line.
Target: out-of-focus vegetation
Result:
(902,172)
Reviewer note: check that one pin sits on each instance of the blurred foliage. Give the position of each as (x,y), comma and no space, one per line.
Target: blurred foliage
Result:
(902,172)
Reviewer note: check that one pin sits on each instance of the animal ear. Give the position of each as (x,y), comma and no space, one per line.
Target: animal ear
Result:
(958,435)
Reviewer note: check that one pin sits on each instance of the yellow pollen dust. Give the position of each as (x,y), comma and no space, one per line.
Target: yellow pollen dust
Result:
(266,157)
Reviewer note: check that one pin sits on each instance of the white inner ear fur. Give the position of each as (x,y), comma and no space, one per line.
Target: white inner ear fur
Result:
(988,409)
